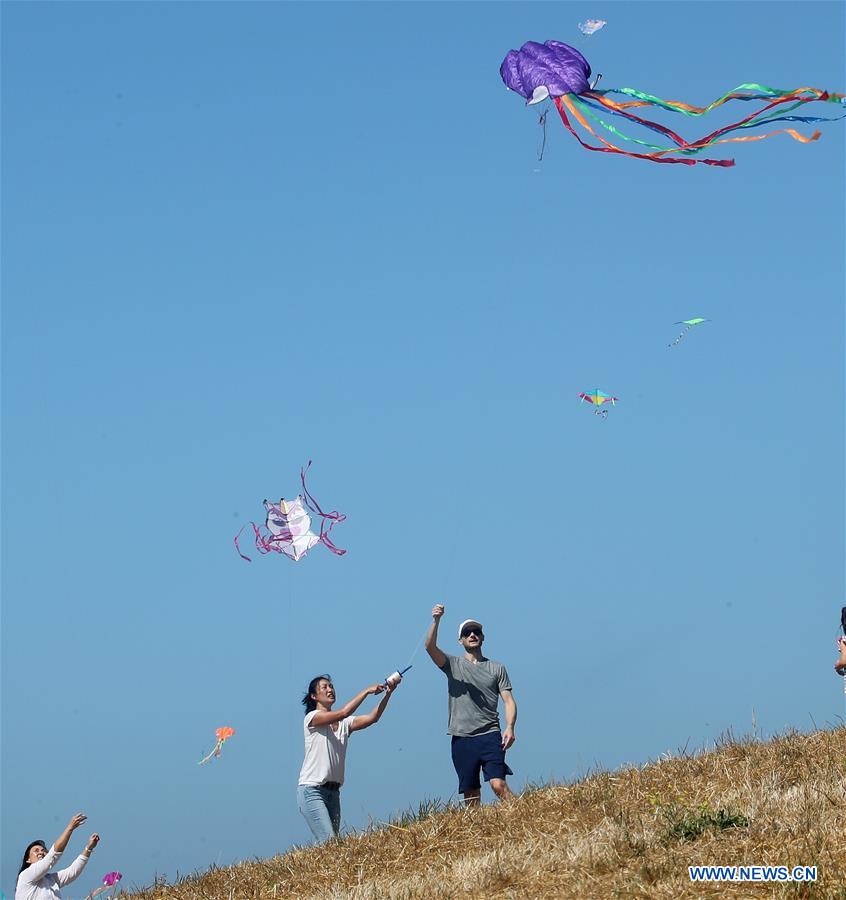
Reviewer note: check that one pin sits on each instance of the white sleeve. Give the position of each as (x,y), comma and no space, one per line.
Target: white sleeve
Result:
(307,721)
(35,872)
(345,724)
(73,871)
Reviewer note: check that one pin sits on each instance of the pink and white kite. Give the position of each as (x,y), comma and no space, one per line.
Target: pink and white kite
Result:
(110,880)
(287,528)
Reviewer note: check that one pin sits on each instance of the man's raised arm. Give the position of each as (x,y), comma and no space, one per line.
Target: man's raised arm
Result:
(432,648)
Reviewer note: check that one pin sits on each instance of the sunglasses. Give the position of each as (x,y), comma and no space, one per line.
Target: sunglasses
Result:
(466,632)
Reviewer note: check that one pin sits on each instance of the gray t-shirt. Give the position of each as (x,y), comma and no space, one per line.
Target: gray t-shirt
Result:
(473,695)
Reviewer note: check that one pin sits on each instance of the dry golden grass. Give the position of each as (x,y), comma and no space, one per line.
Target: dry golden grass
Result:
(630,833)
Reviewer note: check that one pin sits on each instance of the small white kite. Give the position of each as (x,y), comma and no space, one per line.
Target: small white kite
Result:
(591,25)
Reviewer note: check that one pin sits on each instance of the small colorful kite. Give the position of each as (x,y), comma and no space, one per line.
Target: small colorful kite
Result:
(688,323)
(553,69)
(287,529)
(598,398)
(110,880)
(589,26)
(223,735)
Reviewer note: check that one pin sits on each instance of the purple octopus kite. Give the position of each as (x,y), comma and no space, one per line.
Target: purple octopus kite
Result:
(552,69)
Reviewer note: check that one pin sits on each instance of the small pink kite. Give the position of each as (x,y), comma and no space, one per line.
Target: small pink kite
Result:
(223,734)
(110,880)
(287,528)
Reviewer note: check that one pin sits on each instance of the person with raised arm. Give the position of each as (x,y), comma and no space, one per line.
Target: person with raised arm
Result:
(36,881)
(475,685)
(326,732)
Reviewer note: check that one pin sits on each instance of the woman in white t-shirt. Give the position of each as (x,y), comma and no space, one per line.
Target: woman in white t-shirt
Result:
(326,734)
(36,881)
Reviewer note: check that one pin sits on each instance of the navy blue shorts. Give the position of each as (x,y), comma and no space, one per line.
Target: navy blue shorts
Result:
(481,751)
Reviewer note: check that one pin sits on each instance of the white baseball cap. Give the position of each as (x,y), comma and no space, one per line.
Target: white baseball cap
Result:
(467,622)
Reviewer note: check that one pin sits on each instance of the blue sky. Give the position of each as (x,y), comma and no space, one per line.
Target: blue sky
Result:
(237,237)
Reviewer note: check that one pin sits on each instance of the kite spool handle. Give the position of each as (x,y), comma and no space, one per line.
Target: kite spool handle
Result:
(396,677)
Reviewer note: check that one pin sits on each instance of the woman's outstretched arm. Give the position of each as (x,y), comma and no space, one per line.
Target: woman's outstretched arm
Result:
(336,715)
(373,717)
(74,870)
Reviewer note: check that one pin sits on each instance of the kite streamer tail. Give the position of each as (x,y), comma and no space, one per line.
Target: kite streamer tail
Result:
(100,890)
(748,91)
(334,517)
(235,540)
(215,752)
(657,156)
(796,98)
(264,545)
(679,338)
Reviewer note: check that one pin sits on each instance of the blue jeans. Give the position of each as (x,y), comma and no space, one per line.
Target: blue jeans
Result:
(321,808)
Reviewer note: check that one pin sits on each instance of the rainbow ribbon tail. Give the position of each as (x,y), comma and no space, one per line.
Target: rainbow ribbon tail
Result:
(570,103)
(778,105)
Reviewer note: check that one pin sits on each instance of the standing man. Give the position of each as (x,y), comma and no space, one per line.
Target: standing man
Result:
(475,685)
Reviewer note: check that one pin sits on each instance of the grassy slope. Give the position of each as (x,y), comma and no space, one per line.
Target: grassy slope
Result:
(630,833)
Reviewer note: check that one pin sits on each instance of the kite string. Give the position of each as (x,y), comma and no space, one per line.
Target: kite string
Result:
(446,579)
(416,650)
(290,647)
(542,123)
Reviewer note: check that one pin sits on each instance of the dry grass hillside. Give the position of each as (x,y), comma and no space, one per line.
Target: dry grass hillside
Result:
(630,833)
